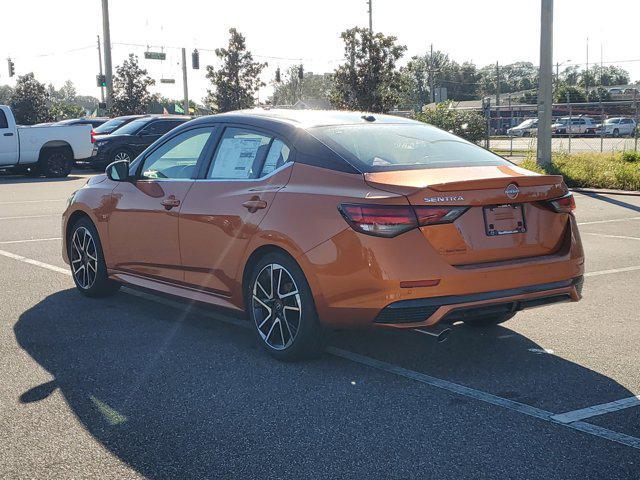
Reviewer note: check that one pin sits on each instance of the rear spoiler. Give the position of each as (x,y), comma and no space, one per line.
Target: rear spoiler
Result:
(498,182)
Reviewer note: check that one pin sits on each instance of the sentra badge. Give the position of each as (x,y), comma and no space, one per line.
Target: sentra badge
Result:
(454,198)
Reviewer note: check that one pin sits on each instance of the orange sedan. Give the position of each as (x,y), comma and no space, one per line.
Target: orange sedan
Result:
(310,221)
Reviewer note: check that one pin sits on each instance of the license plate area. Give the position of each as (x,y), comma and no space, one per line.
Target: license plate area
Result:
(505,219)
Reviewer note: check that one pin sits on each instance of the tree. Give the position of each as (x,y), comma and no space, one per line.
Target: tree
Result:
(460,80)
(30,101)
(6,92)
(131,88)
(236,83)
(604,76)
(464,123)
(312,87)
(599,94)
(574,94)
(514,77)
(369,79)
(62,103)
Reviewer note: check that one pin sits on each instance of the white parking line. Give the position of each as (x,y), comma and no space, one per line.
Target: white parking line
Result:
(596,410)
(30,261)
(613,270)
(452,387)
(33,201)
(10,242)
(30,216)
(610,236)
(609,221)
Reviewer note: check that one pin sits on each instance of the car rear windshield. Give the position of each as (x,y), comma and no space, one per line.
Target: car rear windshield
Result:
(132,127)
(376,148)
(109,126)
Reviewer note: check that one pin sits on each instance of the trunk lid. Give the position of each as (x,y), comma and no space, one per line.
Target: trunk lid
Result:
(479,235)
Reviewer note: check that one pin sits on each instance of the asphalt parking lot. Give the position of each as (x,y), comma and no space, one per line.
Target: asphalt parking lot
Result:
(138,386)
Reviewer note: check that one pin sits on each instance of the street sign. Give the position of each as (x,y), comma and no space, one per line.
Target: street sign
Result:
(167,80)
(155,55)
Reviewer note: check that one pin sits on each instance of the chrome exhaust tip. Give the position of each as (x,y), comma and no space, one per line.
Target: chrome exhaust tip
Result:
(440,333)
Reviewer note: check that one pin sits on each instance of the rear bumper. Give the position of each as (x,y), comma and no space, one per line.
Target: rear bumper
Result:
(429,311)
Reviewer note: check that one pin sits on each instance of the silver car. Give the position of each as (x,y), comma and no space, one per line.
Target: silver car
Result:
(528,128)
(617,127)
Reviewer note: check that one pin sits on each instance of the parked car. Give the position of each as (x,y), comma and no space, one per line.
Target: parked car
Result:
(312,220)
(574,125)
(127,141)
(617,127)
(46,150)
(528,128)
(113,124)
(94,121)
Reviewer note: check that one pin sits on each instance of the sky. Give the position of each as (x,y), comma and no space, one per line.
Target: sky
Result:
(57,39)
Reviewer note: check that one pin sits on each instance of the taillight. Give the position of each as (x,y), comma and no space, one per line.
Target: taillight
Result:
(392,220)
(435,215)
(379,220)
(93,136)
(565,204)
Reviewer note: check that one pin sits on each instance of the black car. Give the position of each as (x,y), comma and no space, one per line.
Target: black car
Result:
(128,141)
(113,124)
(95,122)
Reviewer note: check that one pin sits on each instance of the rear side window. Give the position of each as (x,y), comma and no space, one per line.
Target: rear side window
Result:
(244,154)
(3,120)
(375,148)
(160,128)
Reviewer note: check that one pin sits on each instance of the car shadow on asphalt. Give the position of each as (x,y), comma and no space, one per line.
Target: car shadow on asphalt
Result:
(613,201)
(175,394)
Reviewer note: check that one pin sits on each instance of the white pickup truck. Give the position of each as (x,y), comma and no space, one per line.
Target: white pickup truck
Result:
(44,150)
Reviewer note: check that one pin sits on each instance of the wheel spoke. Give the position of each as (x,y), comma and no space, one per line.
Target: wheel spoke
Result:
(262,303)
(263,290)
(287,295)
(266,338)
(281,333)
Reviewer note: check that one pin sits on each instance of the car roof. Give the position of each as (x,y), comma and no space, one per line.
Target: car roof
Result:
(307,118)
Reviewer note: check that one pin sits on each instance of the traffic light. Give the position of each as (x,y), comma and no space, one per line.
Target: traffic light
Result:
(101,80)
(278,77)
(12,67)
(300,72)
(195,59)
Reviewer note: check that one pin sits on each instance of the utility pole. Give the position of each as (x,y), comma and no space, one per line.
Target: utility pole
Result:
(100,67)
(497,84)
(432,94)
(107,53)
(586,75)
(370,16)
(184,82)
(545,105)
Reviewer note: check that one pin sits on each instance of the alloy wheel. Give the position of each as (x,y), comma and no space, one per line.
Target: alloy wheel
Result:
(122,156)
(276,306)
(57,164)
(84,258)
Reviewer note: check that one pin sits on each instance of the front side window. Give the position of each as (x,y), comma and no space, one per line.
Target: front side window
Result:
(3,120)
(383,147)
(177,158)
(245,154)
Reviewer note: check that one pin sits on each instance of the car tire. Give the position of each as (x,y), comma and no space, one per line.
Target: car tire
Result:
(489,320)
(121,154)
(86,259)
(55,162)
(616,133)
(525,134)
(281,309)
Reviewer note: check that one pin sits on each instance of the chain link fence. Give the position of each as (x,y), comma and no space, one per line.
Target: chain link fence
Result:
(577,127)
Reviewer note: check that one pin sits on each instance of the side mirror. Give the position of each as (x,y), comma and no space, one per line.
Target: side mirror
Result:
(118,171)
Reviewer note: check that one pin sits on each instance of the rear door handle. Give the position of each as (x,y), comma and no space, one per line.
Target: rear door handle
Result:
(8,134)
(170,202)
(254,205)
